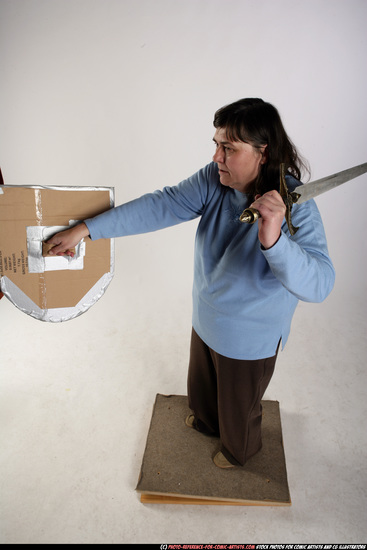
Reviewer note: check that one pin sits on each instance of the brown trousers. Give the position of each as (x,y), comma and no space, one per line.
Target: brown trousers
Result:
(224,395)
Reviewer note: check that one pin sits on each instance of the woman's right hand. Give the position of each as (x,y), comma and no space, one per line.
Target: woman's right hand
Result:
(64,241)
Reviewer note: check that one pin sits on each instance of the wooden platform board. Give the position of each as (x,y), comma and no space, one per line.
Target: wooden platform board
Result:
(177,466)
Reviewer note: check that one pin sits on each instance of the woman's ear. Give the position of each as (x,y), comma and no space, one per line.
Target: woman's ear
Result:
(264,154)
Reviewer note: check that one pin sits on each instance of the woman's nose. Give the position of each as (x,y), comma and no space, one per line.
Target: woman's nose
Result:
(218,155)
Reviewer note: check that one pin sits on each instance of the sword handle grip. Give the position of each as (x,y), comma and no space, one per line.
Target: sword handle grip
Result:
(250,215)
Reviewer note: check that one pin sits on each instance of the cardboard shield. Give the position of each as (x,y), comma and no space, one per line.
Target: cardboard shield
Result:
(52,288)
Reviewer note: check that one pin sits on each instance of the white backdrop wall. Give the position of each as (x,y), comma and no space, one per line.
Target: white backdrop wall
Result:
(122,93)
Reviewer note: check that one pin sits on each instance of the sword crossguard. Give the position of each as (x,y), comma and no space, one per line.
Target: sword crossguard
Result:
(251,215)
(288,200)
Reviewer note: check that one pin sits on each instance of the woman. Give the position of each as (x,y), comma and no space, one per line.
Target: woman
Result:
(247,278)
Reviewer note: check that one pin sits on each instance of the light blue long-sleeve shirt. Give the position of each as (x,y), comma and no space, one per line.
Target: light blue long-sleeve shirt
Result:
(244,296)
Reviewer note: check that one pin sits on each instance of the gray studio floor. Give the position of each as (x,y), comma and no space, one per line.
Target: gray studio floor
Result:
(76,404)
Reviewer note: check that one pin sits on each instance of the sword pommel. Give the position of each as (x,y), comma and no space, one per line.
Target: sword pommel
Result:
(250,215)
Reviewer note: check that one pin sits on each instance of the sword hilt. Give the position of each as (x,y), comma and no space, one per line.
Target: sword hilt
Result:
(251,215)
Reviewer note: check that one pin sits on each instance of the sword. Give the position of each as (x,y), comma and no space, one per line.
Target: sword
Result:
(303,193)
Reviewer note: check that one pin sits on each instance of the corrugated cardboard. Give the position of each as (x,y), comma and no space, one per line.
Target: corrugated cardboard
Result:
(50,288)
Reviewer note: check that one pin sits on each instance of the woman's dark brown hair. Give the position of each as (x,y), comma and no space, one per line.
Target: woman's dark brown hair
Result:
(258,123)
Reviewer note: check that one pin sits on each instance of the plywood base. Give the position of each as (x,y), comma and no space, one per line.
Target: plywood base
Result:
(146,498)
(177,466)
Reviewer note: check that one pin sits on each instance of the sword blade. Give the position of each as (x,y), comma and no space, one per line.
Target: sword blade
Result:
(317,187)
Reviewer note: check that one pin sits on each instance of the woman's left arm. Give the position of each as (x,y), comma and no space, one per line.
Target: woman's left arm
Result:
(301,262)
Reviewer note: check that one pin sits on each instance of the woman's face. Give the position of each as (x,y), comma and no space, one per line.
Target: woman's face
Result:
(238,162)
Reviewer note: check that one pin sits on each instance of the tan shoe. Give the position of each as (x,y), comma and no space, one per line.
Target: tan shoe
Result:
(190,421)
(221,461)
